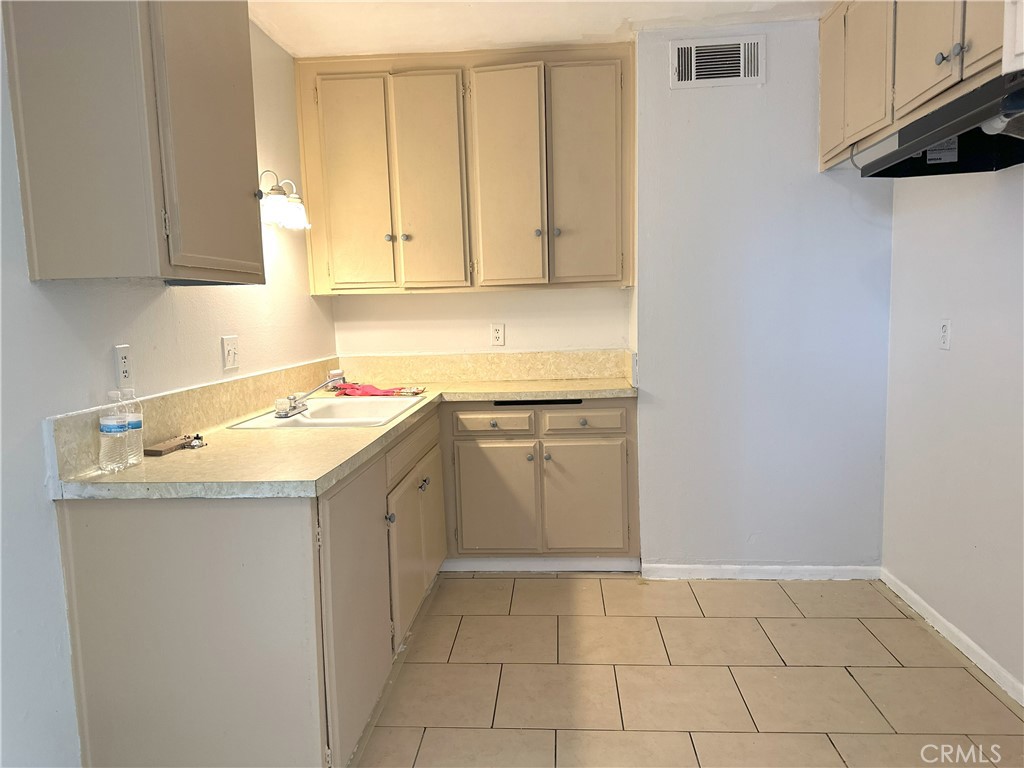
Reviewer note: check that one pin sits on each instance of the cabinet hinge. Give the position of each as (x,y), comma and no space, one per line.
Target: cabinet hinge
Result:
(622,81)
(456,535)
(392,630)
(167,223)
(316,95)
(319,538)
(327,757)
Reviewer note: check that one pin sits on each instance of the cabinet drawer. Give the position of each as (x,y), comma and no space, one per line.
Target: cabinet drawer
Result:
(403,457)
(583,419)
(519,422)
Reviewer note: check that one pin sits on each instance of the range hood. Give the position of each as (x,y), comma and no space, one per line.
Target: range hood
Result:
(983,130)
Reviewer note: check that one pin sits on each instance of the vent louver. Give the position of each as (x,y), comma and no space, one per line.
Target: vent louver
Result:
(727,61)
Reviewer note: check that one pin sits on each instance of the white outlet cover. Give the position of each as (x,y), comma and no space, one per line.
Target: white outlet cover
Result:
(945,332)
(229,352)
(497,334)
(124,373)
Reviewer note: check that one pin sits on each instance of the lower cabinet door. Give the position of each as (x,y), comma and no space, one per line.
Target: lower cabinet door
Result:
(585,494)
(497,482)
(356,615)
(435,542)
(405,542)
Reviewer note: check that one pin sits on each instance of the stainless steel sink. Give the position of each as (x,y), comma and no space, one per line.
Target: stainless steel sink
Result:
(338,412)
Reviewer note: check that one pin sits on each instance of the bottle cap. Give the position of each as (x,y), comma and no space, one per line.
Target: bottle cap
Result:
(114,394)
(127,392)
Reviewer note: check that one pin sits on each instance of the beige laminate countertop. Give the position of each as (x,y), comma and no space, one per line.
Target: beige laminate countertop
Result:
(304,463)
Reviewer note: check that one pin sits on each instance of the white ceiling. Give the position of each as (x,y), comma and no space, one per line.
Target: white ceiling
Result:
(306,28)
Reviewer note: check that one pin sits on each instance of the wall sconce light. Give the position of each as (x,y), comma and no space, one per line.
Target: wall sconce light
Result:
(280,208)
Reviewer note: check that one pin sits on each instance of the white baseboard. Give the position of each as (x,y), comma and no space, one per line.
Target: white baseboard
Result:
(540,564)
(681,571)
(957,637)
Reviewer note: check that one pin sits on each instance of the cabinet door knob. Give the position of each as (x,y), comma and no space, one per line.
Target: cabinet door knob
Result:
(389,237)
(537,233)
(940,57)
(558,232)
(529,457)
(390,518)
(960,48)
(494,424)
(424,484)
(583,421)
(547,457)
(406,238)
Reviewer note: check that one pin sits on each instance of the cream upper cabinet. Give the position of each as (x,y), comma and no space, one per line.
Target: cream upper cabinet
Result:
(983,35)
(831,43)
(868,64)
(585,494)
(136,137)
(509,173)
(385,180)
(583,167)
(350,211)
(428,179)
(1013,36)
(925,65)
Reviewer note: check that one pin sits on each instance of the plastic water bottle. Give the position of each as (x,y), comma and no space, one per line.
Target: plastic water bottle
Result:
(114,434)
(134,439)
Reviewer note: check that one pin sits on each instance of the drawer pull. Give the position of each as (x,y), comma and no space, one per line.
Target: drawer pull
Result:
(547,457)
(583,421)
(529,457)
(494,423)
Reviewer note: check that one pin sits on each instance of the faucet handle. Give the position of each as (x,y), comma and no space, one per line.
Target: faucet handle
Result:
(284,404)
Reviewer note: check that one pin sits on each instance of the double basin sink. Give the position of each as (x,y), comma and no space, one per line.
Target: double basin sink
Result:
(338,412)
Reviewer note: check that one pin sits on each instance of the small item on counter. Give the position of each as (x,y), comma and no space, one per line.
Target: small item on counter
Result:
(175,444)
(368,390)
(134,436)
(113,434)
(336,373)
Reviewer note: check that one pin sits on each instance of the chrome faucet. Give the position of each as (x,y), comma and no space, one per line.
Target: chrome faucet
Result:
(286,407)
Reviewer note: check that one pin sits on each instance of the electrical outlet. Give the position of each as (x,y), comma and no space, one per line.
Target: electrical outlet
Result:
(123,372)
(497,334)
(945,331)
(229,352)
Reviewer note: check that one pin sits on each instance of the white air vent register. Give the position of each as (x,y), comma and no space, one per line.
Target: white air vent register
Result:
(706,62)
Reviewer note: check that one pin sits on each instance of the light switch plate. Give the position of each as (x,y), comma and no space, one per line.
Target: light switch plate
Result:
(229,352)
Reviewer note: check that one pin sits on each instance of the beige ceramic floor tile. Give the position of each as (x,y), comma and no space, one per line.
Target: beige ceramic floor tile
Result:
(936,701)
(507,639)
(734,642)
(639,597)
(391,748)
(766,750)
(807,700)
(898,750)
(598,575)
(826,643)
(681,699)
(516,575)
(456,575)
(557,696)
(914,644)
(1015,706)
(615,749)
(895,599)
(1009,750)
(440,695)
(494,748)
(743,598)
(840,599)
(431,638)
(610,640)
(477,597)
(563,597)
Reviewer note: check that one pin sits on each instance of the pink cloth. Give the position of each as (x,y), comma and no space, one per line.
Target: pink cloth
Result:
(368,390)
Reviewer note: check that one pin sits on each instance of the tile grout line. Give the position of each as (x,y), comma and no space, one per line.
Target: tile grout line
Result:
(497,690)
(771,642)
(743,699)
(657,620)
(618,697)
(604,608)
(693,746)
(558,641)
(798,609)
(877,709)
(454,640)
(874,584)
(880,642)
(511,597)
(419,746)
(843,759)
(696,599)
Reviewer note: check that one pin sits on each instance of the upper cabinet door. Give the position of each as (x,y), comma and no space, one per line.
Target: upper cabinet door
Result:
(983,35)
(831,44)
(428,178)
(584,166)
(208,134)
(509,172)
(354,205)
(868,67)
(926,33)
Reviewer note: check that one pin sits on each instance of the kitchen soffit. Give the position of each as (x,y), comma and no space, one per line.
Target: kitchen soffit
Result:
(307,29)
